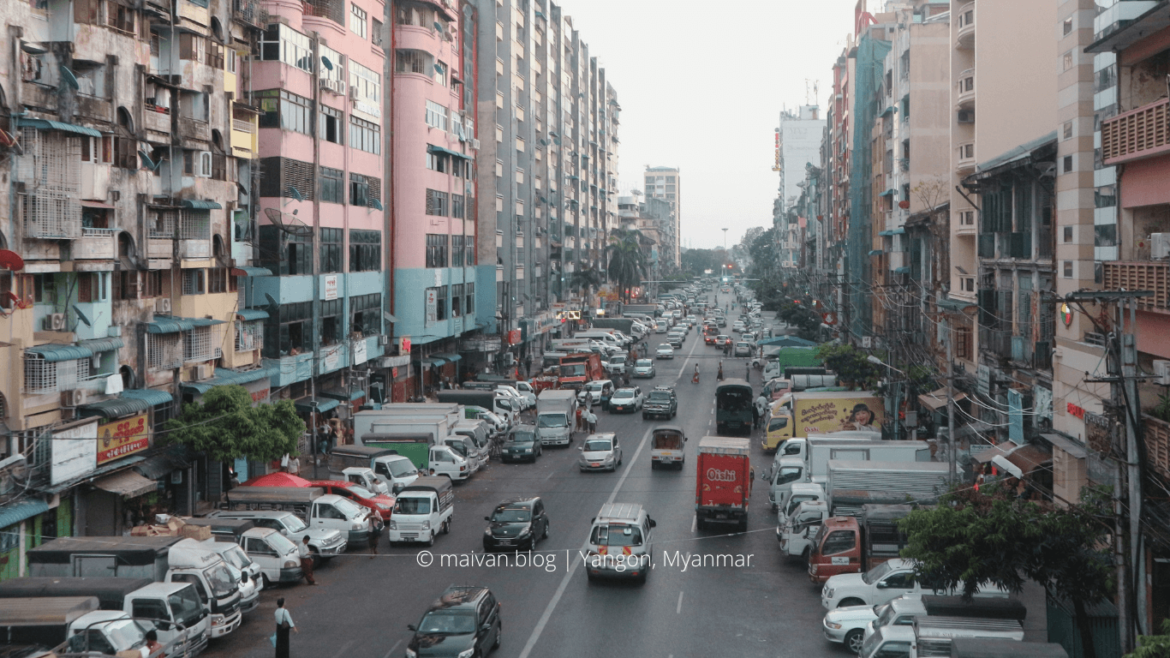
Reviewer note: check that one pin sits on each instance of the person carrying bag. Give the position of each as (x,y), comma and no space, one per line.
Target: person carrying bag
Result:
(283,623)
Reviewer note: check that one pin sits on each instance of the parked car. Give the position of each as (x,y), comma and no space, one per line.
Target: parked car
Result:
(380,504)
(521,444)
(463,621)
(664,351)
(598,391)
(722,340)
(517,524)
(601,452)
(644,368)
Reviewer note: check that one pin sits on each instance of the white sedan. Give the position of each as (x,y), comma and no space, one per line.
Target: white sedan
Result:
(664,352)
(847,624)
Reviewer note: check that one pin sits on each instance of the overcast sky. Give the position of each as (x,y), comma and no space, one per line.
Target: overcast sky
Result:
(701,86)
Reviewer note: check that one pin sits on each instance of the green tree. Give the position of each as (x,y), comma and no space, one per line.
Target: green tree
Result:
(1153,646)
(585,280)
(850,364)
(697,261)
(976,538)
(627,263)
(225,426)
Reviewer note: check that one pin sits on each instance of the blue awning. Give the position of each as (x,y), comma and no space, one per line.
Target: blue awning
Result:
(431,361)
(115,408)
(320,406)
(451,358)
(902,270)
(149,395)
(46,124)
(251,271)
(169,325)
(21,510)
(342,395)
(431,148)
(55,353)
(225,377)
(200,204)
(888,111)
(102,344)
(205,322)
(248,314)
(876,252)
(896,231)
(890,192)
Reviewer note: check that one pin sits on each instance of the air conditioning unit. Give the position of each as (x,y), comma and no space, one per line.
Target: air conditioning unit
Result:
(1159,245)
(475,144)
(74,398)
(55,322)
(204,371)
(1162,372)
(163,306)
(353,93)
(966,116)
(335,86)
(383,340)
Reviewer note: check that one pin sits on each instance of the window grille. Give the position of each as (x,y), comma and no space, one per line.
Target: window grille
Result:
(163,351)
(436,116)
(197,345)
(41,376)
(249,336)
(195,225)
(193,282)
(162,223)
(51,171)
(436,255)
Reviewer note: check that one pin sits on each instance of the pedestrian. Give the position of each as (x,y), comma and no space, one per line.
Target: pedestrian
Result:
(284,463)
(761,407)
(755,416)
(719,376)
(375,534)
(747,370)
(294,465)
(283,623)
(152,643)
(591,418)
(307,561)
(580,416)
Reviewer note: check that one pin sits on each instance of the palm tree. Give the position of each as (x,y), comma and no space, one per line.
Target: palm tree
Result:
(586,280)
(627,263)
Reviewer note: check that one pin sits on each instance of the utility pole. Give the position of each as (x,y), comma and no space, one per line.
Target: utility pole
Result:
(1132,407)
(951,470)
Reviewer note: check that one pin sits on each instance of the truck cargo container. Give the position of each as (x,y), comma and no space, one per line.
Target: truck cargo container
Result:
(723,482)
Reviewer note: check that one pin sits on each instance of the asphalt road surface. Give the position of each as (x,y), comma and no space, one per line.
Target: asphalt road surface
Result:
(766,607)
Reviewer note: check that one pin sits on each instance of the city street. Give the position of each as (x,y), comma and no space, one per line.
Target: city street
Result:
(769,608)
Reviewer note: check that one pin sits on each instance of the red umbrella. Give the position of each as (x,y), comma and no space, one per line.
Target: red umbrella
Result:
(279,479)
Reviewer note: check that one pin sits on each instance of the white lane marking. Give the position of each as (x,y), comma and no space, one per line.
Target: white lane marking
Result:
(686,363)
(552,604)
(694,523)
(346,648)
(392,649)
(678,608)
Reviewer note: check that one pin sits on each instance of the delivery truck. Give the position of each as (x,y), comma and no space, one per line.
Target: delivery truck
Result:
(315,507)
(175,609)
(556,412)
(423,453)
(822,451)
(437,428)
(497,403)
(74,625)
(776,359)
(146,557)
(847,544)
(822,412)
(853,484)
(580,368)
(723,482)
(422,510)
(624,325)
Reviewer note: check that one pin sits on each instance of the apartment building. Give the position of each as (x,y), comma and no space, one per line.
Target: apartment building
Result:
(798,141)
(130,145)
(434,209)
(665,183)
(552,165)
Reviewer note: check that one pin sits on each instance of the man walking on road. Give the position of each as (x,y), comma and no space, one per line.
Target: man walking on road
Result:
(591,419)
(307,561)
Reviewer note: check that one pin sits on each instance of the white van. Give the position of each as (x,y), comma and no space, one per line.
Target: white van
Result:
(620,542)
(276,557)
(480,435)
(606,337)
(445,461)
(332,512)
(465,447)
(238,559)
(396,471)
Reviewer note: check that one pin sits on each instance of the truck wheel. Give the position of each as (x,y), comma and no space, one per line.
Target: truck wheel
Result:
(446,527)
(853,640)
(431,539)
(500,633)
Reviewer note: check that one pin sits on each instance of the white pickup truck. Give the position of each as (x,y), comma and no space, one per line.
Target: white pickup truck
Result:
(795,531)
(422,510)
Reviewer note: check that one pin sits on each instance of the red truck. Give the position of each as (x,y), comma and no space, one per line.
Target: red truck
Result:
(724,482)
(847,544)
(579,369)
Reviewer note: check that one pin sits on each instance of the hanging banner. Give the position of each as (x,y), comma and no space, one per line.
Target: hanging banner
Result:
(432,306)
(122,437)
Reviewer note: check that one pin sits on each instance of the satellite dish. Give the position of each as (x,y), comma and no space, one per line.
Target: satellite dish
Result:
(273,306)
(288,223)
(81,316)
(68,77)
(326,63)
(296,193)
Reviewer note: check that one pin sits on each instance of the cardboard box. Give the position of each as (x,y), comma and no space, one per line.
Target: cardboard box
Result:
(197,532)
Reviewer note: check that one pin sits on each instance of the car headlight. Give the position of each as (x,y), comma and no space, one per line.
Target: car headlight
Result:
(289,564)
(487,532)
(393,524)
(359,525)
(382,506)
(467,654)
(411,654)
(833,625)
(528,450)
(426,525)
(828,594)
(609,458)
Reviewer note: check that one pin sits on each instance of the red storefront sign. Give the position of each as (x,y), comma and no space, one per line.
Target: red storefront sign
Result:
(514,337)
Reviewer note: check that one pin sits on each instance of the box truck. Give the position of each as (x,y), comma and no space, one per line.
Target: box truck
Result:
(723,482)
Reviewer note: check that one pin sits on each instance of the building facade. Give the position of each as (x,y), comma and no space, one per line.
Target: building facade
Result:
(665,184)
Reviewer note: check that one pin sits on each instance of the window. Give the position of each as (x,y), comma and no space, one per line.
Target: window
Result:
(197,345)
(1068,164)
(840,541)
(437,161)
(332,185)
(1068,25)
(412,61)
(359,191)
(249,336)
(415,14)
(90,288)
(330,250)
(289,332)
(457,250)
(217,280)
(42,376)
(331,319)
(329,125)
(365,251)
(376,33)
(1068,234)
(963,343)
(437,203)
(1067,269)
(470,297)
(365,136)
(436,116)
(285,253)
(469,251)
(456,299)
(154,283)
(161,223)
(285,110)
(440,303)
(457,206)
(193,282)
(441,73)
(367,314)
(1068,129)
(357,20)
(1068,60)
(282,43)
(126,285)
(195,225)
(436,250)
(368,84)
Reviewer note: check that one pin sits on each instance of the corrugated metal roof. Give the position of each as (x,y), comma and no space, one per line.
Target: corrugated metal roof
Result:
(150,395)
(225,377)
(251,271)
(21,510)
(323,405)
(205,322)
(103,344)
(247,314)
(200,204)
(54,353)
(126,483)
(115,408)
(166,325)
(342,395)
(46,124)
(163,462)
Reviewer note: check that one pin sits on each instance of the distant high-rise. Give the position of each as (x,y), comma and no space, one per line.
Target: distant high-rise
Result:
(666,183)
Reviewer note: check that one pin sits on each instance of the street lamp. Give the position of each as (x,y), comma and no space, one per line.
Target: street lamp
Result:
(889,377)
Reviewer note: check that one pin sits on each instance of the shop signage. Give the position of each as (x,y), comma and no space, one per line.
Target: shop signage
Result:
(359,352)
(1079,412)
(332,358)
(1066,314)
(514,337)
(404,346)
(122,437)
(330,287)
(70,457)
(432,306)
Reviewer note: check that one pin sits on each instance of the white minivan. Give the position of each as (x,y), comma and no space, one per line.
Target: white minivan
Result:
(274,554)
(445,461)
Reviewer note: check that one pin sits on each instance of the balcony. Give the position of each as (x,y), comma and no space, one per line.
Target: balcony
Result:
(1157,437)
(965,158)
(1137,134)
(997,342)
(157,118)
(194,129)
(966,90)
(95,244)
(966,24)
(1140,276)
(986,245)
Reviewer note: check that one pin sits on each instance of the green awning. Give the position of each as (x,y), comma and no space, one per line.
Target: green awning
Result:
(169,325)
(320,406)
(55,353)
(46,124)
(21,510)
(225,377)
(205,322)
(451,358)
(115,408)
(896,231)
(902,270)
(249,314)
(103,344)
(200,204)
(888,111)
(251,271)
(890,192)
(342,395)
(876,252)
(431,148)
(151,396)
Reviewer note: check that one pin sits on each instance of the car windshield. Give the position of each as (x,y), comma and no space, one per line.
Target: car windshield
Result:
(402,467)
(125,633)
(448,622)
(597,445)
(459,447)
(512,515)
(594,386)
(283,545)
(788,474)
(616,535)
(294,523)
(412,506)
(875,574)
(349,508)
(522,436)
(660,396)
(885,614)
(777,424)
(235,556)
(617,358)
(360,492)
(575,370)
(186,606)
(624,393)
(666,348)
(221,580)
(552,420)
(645,363)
